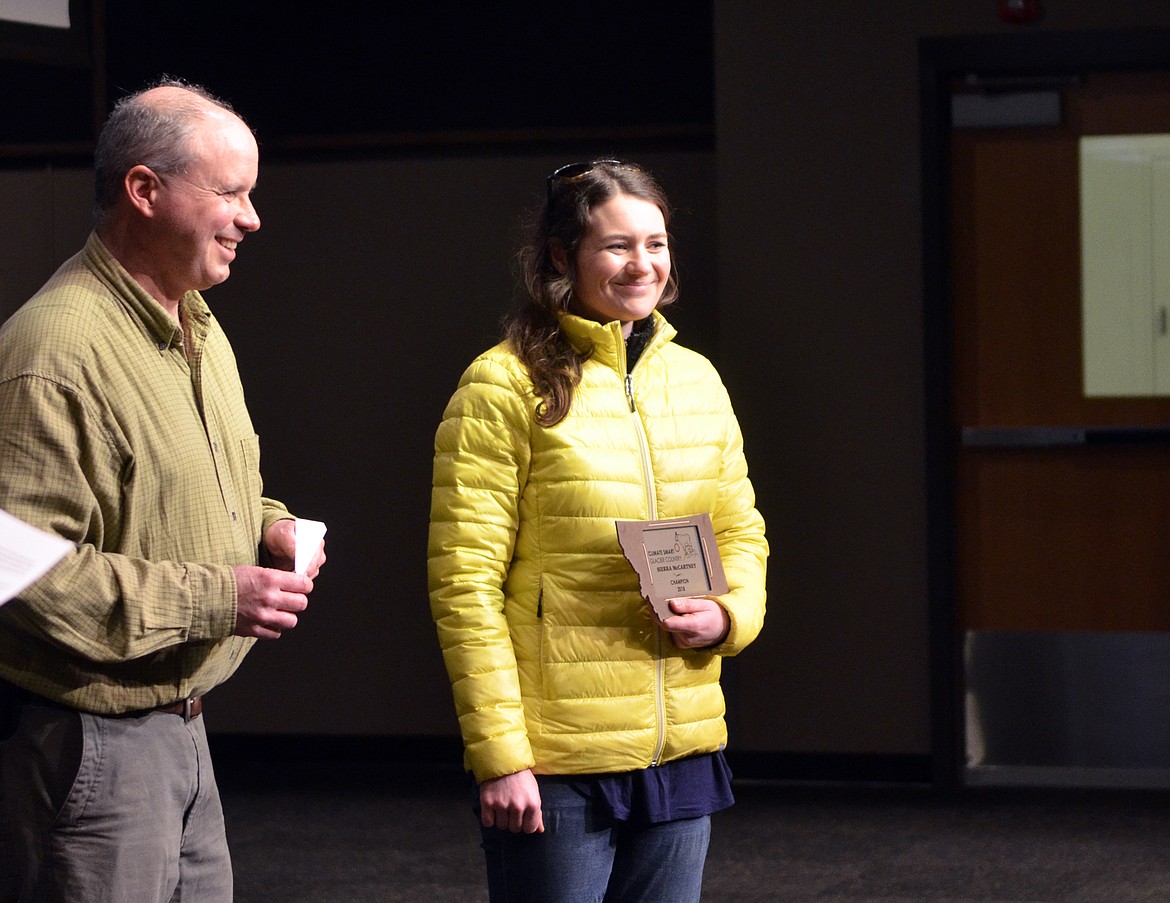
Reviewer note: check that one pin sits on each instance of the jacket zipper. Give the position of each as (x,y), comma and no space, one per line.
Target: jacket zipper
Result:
(652,507)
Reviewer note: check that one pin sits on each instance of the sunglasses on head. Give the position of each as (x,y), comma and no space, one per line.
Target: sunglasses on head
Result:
(571,171)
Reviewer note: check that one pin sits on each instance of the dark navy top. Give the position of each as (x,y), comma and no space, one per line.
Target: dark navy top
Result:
(685,788)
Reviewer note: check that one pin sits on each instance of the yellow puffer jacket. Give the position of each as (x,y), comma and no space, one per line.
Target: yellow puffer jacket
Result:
(556,661)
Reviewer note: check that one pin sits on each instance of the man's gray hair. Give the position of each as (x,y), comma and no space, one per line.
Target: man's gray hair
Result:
(157,135)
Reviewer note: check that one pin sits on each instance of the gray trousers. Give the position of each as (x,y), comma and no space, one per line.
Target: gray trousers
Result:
(110,810)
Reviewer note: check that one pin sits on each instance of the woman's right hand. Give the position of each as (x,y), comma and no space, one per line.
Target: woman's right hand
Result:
(512,803)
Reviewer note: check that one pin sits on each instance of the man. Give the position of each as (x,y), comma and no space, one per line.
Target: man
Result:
(123,428)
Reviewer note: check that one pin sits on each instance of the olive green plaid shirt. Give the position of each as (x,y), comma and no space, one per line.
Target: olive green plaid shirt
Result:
(148,461)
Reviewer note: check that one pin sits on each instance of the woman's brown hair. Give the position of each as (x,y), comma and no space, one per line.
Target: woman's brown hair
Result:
(532,328)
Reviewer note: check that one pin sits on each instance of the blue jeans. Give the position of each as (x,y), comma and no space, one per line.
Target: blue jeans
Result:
(583,856)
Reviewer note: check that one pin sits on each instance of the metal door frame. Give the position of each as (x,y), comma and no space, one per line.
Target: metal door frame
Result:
(1034,55)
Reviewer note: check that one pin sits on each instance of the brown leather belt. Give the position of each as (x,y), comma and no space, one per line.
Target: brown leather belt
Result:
(189,708)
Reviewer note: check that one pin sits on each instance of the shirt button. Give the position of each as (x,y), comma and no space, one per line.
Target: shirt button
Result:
(162,346)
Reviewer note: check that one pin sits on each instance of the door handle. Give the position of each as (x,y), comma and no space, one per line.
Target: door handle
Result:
(1062,436)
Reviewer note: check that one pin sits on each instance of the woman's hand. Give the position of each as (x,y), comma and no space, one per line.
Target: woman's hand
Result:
(512,803)
(697,622)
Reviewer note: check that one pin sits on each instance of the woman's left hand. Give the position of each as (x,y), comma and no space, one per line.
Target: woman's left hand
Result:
(697,622)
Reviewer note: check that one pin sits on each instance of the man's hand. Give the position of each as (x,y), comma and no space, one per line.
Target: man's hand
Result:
(281,543)
(268,600)
(512,803)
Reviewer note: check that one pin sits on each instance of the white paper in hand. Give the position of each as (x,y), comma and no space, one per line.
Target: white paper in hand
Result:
(26,554)
(309,536)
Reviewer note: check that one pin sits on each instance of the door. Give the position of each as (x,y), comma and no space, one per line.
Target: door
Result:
(1061,497)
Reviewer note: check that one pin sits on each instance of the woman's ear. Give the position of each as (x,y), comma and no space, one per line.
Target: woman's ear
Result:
(560,257)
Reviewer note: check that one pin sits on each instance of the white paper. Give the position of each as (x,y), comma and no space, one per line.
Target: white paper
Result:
(309,536)
(26,554)
(54,13)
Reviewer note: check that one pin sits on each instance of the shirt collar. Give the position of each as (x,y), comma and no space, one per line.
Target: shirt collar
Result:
(159,325)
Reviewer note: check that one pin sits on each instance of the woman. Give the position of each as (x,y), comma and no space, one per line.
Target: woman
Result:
(594,729)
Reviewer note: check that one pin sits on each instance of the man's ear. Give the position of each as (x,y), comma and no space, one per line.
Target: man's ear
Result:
(560,258)
(142,185)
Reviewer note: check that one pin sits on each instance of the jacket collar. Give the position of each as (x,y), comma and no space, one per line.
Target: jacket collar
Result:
(605,343)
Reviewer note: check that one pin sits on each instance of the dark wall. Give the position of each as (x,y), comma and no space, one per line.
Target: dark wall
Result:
(821,314)
(369,288)
(377,275)
(360,68)
(357,68)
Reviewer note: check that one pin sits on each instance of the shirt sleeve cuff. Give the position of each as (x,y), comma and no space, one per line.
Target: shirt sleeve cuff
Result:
(213,601)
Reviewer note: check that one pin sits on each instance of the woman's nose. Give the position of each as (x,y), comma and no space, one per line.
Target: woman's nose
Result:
(639,260)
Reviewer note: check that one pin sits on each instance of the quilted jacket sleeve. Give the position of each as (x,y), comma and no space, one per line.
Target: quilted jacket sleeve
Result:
(480,468)
(739,532)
